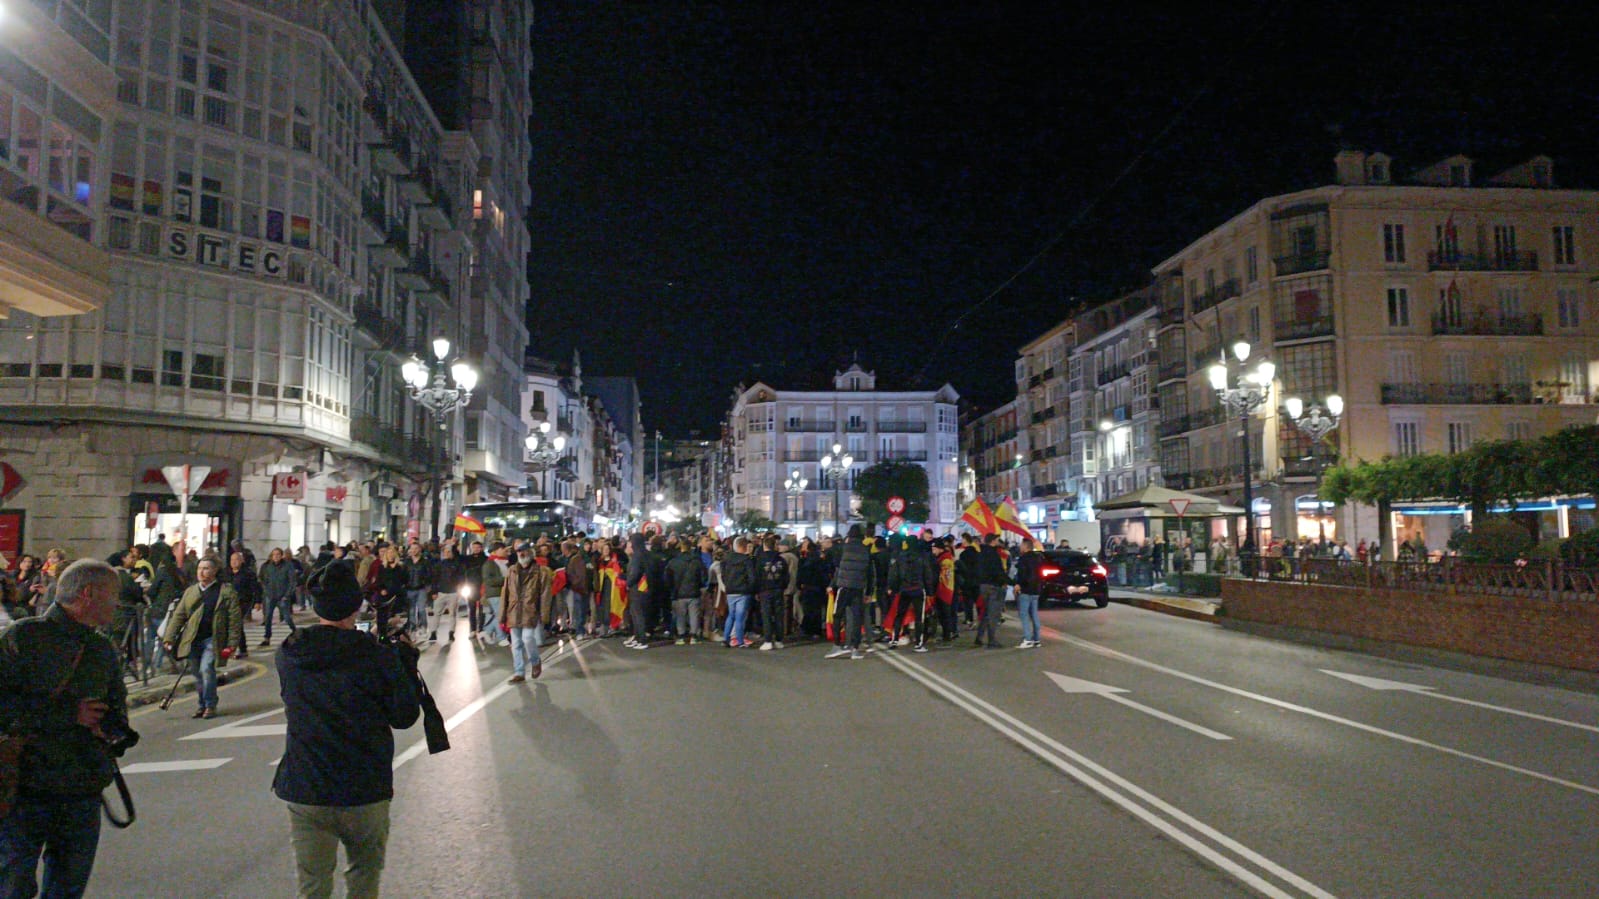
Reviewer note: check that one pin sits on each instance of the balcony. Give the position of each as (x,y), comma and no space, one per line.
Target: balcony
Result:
(902,427)
(1114,372)
(1206,355)
(386,331)
(803,456)
(1299,263)
(416,186)
(390,151)
(395,250)
(1487,325)
(437,211)
(1512,261)
(1171,370)
(1040,491)
(372,211)
(902,456)
(855,427)
(1457,394)
(1191,422)
(1218,294)
(417,273)
(1310,466)
(811,427)
(1035,381)
(1300,329)
(389,439)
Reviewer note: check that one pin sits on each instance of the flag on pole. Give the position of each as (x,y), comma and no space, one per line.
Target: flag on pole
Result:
(1009,518)
(465,522)
(980,517)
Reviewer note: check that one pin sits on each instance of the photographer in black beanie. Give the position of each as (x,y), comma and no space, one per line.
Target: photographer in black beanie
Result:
(342,692)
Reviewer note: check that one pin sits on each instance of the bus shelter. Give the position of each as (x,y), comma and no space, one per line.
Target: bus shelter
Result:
(1129,525)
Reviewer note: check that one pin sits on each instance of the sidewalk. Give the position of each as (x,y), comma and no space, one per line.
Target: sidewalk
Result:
(1155,600)
(254,630)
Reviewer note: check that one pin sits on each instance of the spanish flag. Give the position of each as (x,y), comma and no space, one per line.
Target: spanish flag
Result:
(980,517)
(832,607)
(946,578)
(465,522)
(613,591)
(1009,519)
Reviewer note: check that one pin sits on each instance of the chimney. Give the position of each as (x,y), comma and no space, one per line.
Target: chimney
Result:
(1350,166)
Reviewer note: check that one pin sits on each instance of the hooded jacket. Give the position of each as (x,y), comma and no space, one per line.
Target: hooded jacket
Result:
(686,575)
(913,569)
(343,693)
(854,570)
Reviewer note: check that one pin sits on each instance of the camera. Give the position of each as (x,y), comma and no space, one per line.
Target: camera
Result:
(117,737)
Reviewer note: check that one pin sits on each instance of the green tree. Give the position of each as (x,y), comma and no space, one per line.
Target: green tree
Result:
(1568,462)
(906,480)
(752,521)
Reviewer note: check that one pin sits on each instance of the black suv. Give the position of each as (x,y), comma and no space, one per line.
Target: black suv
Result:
(1068,575)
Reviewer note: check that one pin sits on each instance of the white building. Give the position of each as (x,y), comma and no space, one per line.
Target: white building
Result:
(778,432)
(281,218)
(1114,414)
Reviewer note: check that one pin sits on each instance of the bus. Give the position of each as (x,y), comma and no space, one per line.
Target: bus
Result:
(527,519)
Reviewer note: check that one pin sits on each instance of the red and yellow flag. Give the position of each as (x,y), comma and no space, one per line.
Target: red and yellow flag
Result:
(1009,518)
(465,522)
(946,578)
(613,591)
(980,517)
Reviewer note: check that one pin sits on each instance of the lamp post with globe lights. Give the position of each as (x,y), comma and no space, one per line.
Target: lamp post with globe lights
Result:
(542,452)
(439,396)
(1316,423)
(795,485)
(1250,390)
(836,465)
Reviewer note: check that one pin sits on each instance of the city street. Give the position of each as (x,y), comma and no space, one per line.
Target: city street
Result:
(1135,754)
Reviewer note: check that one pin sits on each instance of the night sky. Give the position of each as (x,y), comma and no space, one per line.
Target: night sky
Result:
(731,191)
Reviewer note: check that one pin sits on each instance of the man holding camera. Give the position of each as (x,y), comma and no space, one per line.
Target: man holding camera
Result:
(61,692)
(343,694)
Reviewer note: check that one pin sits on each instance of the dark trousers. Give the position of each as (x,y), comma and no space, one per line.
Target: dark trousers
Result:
(772,605)
(852,606)
(66,833)
(947,618)
(993,607)
(910,606)
(282,605)
(639,610)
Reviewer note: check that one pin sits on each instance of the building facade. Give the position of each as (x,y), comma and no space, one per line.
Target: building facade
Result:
(996,453)
(1444,310)
(774,433)
(281,214)
(1043,403)
(1114,411)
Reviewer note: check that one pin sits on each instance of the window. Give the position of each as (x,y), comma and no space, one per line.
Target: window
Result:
(171,368)
(1504,242)
(1254,324)
(1569,302)
(1518,430)
(1393,243)
(1402,367)
(1457,368)
(1251,265)
(1406,439)
(1513,369)
(218,112)
(1450,306)
(1459,436)
(1511,302)
(1565,245)
(1398,307)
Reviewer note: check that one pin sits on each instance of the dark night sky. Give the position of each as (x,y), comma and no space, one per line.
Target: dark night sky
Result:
(726,191)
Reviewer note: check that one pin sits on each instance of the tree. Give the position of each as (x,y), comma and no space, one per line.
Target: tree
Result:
(906,480)
(752,521)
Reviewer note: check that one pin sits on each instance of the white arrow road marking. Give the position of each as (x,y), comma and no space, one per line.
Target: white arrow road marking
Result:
(1075,685)
(165,767)
(1317,713)
(234,729)
(1377,683)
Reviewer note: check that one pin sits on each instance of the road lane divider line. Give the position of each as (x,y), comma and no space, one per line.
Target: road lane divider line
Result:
(1325,716)
(243,728)
(1078,685)
(564,650)
(180,765)
(1099,779)
(1383,685)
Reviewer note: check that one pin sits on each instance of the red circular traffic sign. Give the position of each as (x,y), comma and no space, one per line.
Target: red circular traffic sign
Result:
(894,522)
(896,505)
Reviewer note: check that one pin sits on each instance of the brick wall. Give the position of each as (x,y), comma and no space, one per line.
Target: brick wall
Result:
(1562,633)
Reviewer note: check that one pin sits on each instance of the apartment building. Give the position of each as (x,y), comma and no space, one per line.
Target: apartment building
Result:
(1114,410)
(775,432)
(1043,399)
(1446,307)
(281,217)
(996,452)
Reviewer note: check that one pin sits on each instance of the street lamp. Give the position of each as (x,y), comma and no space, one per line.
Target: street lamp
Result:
(1316,423)
(543,451)
(439,396)
(1252,389)
(795,484)
(836,465)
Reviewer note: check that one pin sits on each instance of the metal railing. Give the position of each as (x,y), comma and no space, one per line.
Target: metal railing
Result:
(1296,263)
(902,427)
(1535,579)
(1487,326)
(1457,394)
(1512,261)
(1299,329)
(811,427)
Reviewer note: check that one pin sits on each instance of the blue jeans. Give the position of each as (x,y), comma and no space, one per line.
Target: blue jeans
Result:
(204,654)
(419,608)
(577,609)
(1027,608)
(525,647)
(491,620)
(283,605)
(738,609)
(66,833)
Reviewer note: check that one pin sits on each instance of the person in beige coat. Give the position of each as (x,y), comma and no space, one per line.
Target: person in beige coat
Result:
(522,602)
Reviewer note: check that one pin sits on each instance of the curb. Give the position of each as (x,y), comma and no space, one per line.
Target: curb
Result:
(236,671)
(1155,605)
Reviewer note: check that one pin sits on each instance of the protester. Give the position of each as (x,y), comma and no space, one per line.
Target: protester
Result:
(851,578)
(991,583)
(526,592)
(773,577)
(740,579)
(279,577)
(1029,583)
(203,626)
(685,583)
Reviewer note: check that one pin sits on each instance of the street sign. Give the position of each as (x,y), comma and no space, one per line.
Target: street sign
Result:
(894,522)
(1180,506)
(896,505)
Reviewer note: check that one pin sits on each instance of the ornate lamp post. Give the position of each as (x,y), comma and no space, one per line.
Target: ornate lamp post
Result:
(1251,389)
(440,397)
(543,451)
(836,465)
(1316,423)
(795,484)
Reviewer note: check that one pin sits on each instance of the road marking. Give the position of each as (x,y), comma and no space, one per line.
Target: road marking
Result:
(1076,685)
(1377,683)
(1078,767)
(1316,713)
(238,729)
(165,767)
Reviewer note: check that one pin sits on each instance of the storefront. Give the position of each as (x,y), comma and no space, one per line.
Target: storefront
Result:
(215,515)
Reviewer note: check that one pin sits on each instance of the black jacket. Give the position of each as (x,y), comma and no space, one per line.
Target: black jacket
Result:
(1027,577)
(638,561)
(913,569)
(854,570)
(966,570)
(685,575)
(419,575)
(447,574)
(778,582)
(991,567)
(342,692)
(739,575)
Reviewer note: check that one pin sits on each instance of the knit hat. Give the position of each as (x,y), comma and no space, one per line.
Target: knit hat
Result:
(335,593)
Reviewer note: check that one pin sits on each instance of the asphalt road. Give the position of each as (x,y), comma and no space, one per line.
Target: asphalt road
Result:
(1231,765)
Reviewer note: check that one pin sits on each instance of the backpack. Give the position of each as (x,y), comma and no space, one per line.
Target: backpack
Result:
(774,572)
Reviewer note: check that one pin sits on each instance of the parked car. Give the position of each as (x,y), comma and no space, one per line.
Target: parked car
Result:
(1070,576)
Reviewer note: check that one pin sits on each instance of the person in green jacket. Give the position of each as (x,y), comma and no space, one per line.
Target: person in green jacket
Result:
(204,624)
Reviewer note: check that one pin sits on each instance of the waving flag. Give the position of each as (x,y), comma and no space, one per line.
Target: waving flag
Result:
(613,591)
(1009,519)
(465,522)
(980,517)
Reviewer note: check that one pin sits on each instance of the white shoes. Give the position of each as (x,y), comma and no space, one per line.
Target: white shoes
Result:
(767,646)
(838,653)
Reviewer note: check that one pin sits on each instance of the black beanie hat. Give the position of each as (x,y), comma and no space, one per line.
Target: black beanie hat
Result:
(335,593)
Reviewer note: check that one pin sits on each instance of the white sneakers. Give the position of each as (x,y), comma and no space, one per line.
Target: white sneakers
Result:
(838,653)
(767,646)
(1029,644)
